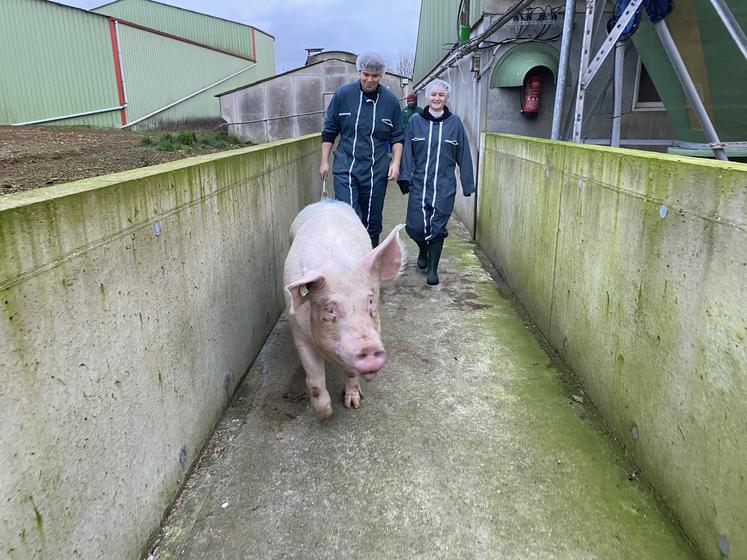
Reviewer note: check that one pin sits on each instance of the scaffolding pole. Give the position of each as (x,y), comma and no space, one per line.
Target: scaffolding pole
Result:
(617,91)
(565,49)
(689,88)
(732,25)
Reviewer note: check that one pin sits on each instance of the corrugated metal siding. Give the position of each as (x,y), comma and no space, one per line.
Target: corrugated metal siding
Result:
(265,56)
(438,25)
(55,61)
(218,33)
(160,71)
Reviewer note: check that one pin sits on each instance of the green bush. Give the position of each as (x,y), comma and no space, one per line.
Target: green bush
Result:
(167,143)
(219,140)
(186,138)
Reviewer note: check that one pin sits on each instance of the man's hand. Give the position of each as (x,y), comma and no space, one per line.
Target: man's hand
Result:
(393,171)
(324,161)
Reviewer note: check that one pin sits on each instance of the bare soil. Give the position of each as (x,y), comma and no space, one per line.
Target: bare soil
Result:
(33,157)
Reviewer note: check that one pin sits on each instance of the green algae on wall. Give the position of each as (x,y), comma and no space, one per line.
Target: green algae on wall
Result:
(645,256)
(132,306)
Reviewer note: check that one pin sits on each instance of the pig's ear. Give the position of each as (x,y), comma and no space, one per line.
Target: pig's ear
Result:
(388,259)
(300,290)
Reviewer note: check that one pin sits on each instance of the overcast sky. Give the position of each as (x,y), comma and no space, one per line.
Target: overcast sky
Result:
(387,26)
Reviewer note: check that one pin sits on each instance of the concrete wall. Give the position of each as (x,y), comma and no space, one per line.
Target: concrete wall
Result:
(132,305)
(264,112)
(634,266)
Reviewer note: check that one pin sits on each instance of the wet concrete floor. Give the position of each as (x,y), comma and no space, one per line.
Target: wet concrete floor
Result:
(473,442)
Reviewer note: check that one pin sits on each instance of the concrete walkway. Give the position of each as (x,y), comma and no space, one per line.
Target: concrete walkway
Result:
(471,443)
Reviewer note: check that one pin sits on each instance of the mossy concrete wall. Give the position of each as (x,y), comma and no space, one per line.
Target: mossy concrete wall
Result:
(634,266)
(132,304)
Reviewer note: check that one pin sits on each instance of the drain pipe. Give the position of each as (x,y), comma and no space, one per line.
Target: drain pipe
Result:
(565,49)
(63,117)
(121,63)
(190,96)
(689,87)
(617,90)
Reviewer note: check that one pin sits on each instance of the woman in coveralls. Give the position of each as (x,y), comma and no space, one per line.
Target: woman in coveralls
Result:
(366,115)
(435,143)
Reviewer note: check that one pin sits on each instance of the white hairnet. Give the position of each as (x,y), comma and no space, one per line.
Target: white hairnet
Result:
(371,61)
(438,83)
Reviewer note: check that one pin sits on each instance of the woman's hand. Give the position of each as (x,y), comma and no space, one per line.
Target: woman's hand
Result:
(324,170)
(393,171)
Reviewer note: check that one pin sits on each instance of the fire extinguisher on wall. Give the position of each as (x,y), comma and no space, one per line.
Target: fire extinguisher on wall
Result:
(530,101)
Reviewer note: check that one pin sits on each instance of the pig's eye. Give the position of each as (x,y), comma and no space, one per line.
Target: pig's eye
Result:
(330,312)
(371,306)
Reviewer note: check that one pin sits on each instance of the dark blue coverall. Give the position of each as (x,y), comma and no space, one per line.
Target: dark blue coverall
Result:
(365,122)
(433,148)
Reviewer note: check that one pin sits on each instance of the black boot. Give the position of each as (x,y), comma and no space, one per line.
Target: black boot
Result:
(422,255)
(374,240)
(434,254)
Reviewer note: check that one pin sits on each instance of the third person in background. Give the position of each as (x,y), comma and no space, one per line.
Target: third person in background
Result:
(435,144)
(411,108)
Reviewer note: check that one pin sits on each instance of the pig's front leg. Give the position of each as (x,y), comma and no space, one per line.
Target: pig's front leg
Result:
(313,365)
(353,394)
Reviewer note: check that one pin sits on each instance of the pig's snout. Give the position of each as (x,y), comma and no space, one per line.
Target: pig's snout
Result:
(369,360)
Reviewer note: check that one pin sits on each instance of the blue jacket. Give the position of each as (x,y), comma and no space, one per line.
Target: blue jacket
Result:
(365,123)
(433,149)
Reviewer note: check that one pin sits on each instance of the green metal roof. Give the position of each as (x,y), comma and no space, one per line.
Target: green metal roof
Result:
(180,70)
(59,61)
(229,36)
(56,60)
(438,30)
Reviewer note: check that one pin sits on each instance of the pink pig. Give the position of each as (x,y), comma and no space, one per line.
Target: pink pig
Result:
(332,279)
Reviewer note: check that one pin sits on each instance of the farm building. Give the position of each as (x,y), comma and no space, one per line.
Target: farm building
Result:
(293,103)
(129,63)
(504,43)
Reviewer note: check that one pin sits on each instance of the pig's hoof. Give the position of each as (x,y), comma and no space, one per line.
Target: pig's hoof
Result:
(352,395)
(322,405)
(353,398)
(326,413)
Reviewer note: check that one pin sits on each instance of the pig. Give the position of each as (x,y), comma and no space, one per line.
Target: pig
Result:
(332,277)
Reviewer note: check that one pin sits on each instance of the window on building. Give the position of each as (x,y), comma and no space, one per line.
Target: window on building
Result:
(646,97)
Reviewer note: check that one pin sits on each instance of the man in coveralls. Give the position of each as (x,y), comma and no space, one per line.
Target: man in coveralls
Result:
(366,115)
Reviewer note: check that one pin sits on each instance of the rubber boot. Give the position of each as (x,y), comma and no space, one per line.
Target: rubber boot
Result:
(374,240)
(422,255)
(434,254)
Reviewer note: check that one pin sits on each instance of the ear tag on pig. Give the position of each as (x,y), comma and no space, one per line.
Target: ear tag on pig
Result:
(303,290)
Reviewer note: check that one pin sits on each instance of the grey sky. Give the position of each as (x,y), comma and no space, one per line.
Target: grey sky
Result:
(386,26)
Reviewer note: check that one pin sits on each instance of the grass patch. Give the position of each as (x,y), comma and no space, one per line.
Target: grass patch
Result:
(187,140)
